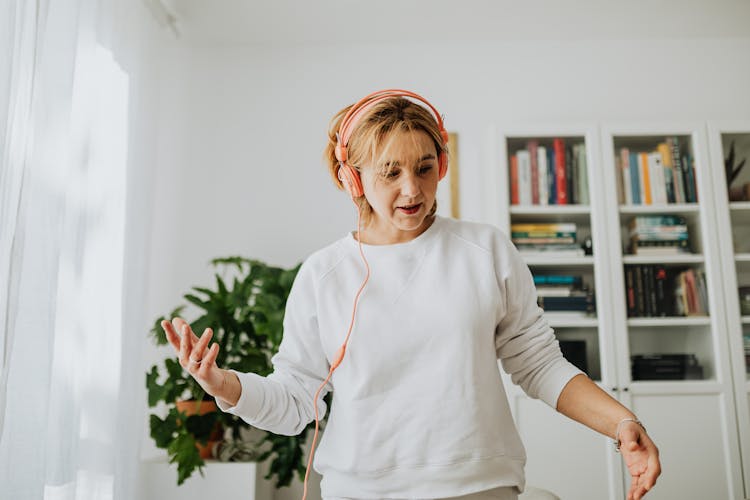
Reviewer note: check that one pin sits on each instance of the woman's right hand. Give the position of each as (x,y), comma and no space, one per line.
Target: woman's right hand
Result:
(195,357)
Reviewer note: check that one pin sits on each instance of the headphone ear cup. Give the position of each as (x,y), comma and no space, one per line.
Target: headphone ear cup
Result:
(351,181)
(442,165)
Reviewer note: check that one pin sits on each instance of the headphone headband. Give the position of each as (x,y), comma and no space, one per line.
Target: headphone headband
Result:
(349,176)
(367,102)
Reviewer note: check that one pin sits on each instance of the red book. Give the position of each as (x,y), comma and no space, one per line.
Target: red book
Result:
(514,180)
(532,147)
(560,179)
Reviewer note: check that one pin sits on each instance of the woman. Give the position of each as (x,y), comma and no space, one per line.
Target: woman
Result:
(419,409)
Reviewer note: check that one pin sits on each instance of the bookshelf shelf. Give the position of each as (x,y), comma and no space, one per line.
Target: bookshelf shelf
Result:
(739,206)
(563,321)
(746,320)
(552,261)
(675,387)
(550,209)
(673,321)
(664,259)
(742,257)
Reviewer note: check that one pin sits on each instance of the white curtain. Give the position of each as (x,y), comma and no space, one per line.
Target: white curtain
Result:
(69,424)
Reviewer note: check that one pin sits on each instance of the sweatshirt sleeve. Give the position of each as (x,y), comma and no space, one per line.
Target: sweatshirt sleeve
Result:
(525,343)
(282,402)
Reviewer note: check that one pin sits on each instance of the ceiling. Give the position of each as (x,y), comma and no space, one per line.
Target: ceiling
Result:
(292,22)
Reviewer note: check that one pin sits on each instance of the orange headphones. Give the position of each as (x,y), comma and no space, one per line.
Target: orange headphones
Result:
(348,175)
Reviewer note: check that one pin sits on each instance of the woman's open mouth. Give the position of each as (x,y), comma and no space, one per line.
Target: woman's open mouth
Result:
(410,209)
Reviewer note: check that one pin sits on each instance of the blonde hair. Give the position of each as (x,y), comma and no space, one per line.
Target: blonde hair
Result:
(372,134)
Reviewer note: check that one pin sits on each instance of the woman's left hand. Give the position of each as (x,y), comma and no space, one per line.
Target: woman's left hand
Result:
(641,457)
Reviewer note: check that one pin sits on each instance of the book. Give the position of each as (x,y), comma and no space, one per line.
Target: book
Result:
(524,177)
(660,285)
(543,170)
(531,146)
(543,233)
(656,174)
(551,177)
(643,169)
(570,175)
(584,302)
(666,161)
(626,194)
(658,251)
(640,293)
(561,182)
(583,176)
(514,197)
(630,291)
(558,279)
(646,221)
(679,187)
(635,178)
(551,251)
(691,191)
(544,226)
(554,291)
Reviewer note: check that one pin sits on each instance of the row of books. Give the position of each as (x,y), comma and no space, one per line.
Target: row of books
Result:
(746,343)
(539,239)
(556,175)
(666,175)
(564,293)
(655,290)
(678,366)
(656,235)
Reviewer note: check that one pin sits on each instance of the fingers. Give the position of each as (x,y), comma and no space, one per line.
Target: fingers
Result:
(209,360)
(186,348)
(193,352)
(172,336)
(198,353)
(654,466)
(179,323)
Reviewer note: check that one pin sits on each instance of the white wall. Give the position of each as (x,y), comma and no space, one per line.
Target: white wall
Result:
(242,129)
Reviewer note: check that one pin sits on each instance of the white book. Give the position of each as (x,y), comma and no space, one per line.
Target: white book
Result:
(541,162)
(658,182)
(524,177)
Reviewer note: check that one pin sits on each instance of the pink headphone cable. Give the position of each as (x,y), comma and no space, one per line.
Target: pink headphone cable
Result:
(342,350)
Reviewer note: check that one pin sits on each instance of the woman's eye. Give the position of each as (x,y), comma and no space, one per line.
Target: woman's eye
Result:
(424,169)
(392,174)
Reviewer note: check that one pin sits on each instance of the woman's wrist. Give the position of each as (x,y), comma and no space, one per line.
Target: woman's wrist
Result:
(632,420)
(231,389)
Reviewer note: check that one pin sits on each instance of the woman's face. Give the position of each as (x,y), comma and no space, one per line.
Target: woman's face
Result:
(400,186)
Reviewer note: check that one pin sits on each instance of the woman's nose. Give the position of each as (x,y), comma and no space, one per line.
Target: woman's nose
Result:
(409,185)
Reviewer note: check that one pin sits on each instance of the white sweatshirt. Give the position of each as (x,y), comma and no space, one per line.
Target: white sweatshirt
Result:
(419,409)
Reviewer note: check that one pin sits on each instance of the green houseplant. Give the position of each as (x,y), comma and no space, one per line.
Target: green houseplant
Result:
(246,318)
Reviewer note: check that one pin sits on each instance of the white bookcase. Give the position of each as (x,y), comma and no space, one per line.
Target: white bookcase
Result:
(559,449)
(733,233)
(694,422)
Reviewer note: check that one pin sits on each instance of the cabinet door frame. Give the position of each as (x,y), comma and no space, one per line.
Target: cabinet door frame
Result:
(498,208)
(715,130)
(721,382)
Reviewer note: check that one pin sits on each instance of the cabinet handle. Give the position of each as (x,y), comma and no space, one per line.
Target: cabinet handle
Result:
(625,389)
(615,389)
